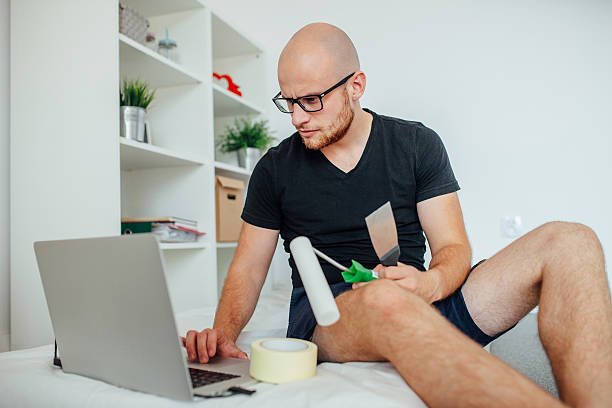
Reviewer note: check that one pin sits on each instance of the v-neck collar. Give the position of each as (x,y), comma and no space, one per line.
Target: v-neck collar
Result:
(364,154)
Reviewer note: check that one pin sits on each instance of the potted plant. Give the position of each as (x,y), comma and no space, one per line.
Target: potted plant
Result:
(248,138)
(135,97)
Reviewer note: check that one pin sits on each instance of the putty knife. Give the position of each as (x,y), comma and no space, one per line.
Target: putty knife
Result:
(383,233)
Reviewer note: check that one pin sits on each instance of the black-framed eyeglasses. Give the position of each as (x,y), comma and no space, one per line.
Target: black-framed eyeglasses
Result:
(309,103)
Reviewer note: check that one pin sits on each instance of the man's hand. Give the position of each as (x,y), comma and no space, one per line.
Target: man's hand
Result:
(206,344)
(423,284)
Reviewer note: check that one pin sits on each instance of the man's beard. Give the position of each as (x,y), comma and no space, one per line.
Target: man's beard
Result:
(335,131)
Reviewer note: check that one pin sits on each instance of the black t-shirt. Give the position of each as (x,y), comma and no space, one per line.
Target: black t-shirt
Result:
(300,192)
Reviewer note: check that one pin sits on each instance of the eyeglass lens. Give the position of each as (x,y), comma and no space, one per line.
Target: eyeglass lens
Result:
(308,103)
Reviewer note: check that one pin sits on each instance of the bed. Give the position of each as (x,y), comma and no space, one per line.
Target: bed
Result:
(28,379)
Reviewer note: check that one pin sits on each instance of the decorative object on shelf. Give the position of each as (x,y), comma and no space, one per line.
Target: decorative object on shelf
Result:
(132,23)
(167,48)
(135,97)
(151,41)
(231,86)
(248,157)
(167,229)
(171,233)
(248,138)
(230,199)
(148,137)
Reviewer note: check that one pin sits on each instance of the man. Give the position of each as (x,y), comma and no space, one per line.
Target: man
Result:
(343,163)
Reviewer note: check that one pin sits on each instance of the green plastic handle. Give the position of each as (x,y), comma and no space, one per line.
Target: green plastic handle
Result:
(357,273)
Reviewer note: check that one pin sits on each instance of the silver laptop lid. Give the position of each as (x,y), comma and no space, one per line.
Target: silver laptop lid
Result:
(111,312)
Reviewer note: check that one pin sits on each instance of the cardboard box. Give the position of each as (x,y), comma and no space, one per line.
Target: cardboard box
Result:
(230,200)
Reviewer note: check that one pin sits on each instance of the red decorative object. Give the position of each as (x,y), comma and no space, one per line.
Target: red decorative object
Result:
(231,86)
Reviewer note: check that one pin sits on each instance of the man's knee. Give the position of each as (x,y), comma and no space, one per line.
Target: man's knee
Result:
(388,303)
(570,237)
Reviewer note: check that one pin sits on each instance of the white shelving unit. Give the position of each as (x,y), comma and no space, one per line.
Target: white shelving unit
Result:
(176,175)
(173,175)
(242,59)
(72,176)
(230,170)
(184,245)
(136,155)
(226,245)
(152,8)
(230,104)
(160,71)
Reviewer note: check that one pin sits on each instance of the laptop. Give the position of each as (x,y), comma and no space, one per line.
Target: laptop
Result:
(113,320)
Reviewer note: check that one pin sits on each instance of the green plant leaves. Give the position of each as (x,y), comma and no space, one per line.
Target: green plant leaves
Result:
(136,93)
(245,133)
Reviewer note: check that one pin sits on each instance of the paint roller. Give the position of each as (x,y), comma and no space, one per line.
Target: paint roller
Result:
(317,289)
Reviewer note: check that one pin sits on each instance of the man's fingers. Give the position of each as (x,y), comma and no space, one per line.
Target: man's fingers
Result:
(398,272)
(204,345)
(359,284)
(387,272)
(190,344)
(392,272)
(235,352)
(202,341)
(211,343)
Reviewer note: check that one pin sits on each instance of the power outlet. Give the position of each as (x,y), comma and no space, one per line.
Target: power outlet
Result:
(511,226)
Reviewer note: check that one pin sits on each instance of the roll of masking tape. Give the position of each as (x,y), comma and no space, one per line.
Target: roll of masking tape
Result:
(276,360)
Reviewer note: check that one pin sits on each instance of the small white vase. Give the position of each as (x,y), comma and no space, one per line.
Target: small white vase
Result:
(132,120)
(248,157)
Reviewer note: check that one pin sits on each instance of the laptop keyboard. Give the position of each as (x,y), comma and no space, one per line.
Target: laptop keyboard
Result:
(200,378)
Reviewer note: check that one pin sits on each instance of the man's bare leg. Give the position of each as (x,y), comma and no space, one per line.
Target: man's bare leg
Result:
(559,266)
(382,321)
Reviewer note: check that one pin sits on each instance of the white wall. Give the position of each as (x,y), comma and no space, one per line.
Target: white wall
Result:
(44,171)
(520,92)
(4,176)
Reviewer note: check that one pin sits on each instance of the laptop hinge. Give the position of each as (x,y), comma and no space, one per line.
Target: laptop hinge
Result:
(56,360)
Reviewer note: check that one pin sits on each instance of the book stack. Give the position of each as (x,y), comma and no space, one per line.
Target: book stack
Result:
(167,229)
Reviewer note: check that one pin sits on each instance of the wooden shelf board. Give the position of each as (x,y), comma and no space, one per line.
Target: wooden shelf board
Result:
(152,8)
(227,103)
(183,245)
(136,155)
(224,169)
(138,61)
(222,245)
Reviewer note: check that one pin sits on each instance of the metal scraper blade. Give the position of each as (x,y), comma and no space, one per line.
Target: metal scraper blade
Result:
(383,233)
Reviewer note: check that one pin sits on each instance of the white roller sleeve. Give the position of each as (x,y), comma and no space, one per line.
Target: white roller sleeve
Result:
(317,289)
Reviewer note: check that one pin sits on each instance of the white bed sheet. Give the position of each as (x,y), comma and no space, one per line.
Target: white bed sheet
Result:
(28,379)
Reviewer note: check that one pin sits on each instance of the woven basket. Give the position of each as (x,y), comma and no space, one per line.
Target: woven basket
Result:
(132,23)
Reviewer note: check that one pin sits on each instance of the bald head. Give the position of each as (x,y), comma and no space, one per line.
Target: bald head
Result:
(318,51)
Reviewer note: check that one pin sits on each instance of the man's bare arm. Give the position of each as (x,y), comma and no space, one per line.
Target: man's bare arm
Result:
(245,279)
(442,221)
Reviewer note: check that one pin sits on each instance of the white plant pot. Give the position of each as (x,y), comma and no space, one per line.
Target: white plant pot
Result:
(132,121)
(248,158)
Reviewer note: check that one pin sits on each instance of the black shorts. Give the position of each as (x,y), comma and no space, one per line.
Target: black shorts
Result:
(302,321)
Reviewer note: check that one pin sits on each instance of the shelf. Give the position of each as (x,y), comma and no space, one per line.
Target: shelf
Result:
(136,155)
(224,169)
(152,8)
(227,103)
(138,61)
(183,245)
(231,42)
(221,245)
